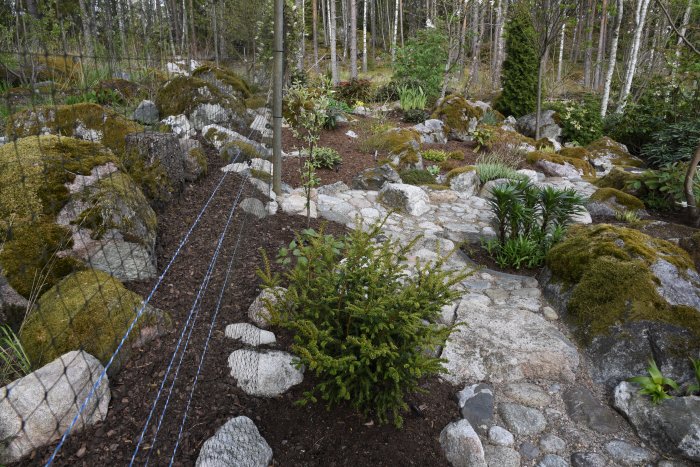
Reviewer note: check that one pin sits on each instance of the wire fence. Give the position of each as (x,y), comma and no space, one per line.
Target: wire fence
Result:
(94,149)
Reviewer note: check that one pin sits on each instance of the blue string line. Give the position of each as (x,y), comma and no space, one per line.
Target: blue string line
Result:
(194,311)
(206,343)
(133,323)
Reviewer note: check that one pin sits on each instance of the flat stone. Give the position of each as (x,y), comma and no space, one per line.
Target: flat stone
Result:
(552,444)
(265,374)
(237,443)
(582,407)
(249,334)
(462,446)
(628,454)
(255,207)
(588,459)
(550,314)
(501,456)
(500,436)
(552,460)
(522,420)
(527,394)
(529,451)
(476,405)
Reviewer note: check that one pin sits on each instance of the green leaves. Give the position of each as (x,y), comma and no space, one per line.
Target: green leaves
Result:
(362,324)
(654,385)
(14,362)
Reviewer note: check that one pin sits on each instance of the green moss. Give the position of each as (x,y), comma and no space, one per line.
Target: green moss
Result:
(575,153)
(256,102)
(87,310)
(437,187)
(121,89)
(110,127)
(261,175)
(153,179)
(617,178)
(34,171)
(460,170)
(620,197)
(610,271)
(401,142)
(198,155)
(417,177)
(499,136)
(28,258)
(544,143)
(225,80)
(238,151)
(183,94)
(606,146)
(584,166)
(456,155)
(456,113)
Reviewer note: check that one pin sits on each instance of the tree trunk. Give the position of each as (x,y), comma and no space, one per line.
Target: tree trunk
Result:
(540,74)
(613,58)
(497,59)
(677,53)
(299,4)
(639,19)
(326,22)
(693,210)
(395,32)
(560,62)
(353,39)
(588,55)
(332,27)
(314,31)
(461,51)
(364,37)
(193,35)
(598,73)
(87,29)
(476,51)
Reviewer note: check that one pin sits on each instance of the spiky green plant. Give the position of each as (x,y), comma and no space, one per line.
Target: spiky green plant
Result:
(655,385)
(14,362)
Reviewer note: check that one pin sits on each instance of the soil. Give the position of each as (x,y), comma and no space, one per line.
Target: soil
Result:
(298,435)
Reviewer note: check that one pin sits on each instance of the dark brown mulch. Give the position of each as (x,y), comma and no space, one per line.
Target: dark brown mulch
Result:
(298,436)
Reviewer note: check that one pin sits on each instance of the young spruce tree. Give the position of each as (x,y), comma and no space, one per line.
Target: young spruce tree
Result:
(519,78)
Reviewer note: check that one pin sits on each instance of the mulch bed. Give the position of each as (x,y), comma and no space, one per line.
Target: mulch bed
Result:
(298,435)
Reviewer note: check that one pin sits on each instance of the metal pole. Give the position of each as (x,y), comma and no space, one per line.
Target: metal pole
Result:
(277,98)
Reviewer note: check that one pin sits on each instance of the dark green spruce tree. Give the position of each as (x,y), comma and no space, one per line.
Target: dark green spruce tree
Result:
(519,76)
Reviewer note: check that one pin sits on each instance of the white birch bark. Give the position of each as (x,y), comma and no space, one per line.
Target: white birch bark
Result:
(364,37)
(613,58)
(640,16)
(334,53)
(560,63)
(679,44)
(395,32)
(353,39)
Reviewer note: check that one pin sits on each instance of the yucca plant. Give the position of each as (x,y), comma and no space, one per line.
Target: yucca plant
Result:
(14,362)
(655,385)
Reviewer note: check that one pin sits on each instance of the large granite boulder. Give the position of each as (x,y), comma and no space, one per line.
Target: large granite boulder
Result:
(605,154)
(548,125)
(38,408)
(432,131)
(163,155)
(460,118)
(628,297)
(407,198)
(237,443)
(673,426)
(375,178)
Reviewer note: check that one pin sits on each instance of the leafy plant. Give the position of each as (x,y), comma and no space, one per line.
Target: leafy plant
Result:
(482,137)
(529,220)
(434,155)
(663,189)
(362,324)
(655,385)
(674,143)
(433,170)
(354,90)
(628,217)
(14,362)
(324,157)
(580,121)
(334,110)
(412,98)
(422,60)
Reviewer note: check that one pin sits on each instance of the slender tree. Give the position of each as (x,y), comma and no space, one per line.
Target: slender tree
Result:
(353,39)
(332,27)
(640,16)
(613,57)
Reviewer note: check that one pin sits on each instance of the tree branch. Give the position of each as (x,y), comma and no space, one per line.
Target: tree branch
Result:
(673,25)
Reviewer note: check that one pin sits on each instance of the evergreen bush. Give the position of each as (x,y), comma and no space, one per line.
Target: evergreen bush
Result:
(519,76)
(422,60)
(362,324)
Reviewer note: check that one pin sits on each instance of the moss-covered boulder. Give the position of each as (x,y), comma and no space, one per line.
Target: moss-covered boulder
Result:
(116,91)
(607,202)
(619,179)
(401,146)
(610,283)
(503,137)
(88,310)
(606,153)
(202,102)
(221,137)
(225,80)
(460,118)
(64,202)
(196,163)
(691,244)
(557,165)
(89,122)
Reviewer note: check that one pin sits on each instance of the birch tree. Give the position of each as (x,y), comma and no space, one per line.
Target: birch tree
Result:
(364,37)
(334,53)
(613,57)
(395,32)
(353,39)
(640,15)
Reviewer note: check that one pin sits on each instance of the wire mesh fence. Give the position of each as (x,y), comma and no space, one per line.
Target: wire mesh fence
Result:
(94,148)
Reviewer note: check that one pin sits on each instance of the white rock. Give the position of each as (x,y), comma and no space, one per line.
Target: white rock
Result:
(258,311)
(407,198)
(351,134)
(237,443)
(37,409)
(466,183)
(500,436)
(264,374)
(462,446)
(249,334)
(180,126)
(261,165)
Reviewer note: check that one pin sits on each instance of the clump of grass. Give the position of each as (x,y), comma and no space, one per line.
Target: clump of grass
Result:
(14,362)
(495,171)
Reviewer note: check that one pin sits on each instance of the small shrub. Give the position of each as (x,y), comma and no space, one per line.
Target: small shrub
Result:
(675,143)
(417,177)
(414,116)
(628,217)
(580,123)
(435,155)
(324,157)
(495,171)
(354,90)
(663,189)
(529,220)
(422,60)
(362,325)
(482,137)
(334,110)
(655,385)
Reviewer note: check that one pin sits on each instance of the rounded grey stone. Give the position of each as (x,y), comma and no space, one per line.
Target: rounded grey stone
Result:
(522,420)
(628,454)
(588,459)
(552,460)
(552,444)
(500,436)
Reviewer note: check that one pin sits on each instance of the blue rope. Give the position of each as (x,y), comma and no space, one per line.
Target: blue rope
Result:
(194,312)
(206,343)
(133,323)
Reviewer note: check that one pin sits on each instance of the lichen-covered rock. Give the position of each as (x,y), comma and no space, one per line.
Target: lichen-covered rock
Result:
(38,408)
(225,80)
(237,443)
(673,427)
(407,198)
(461,445)
(401,146)
(147,113)
(548,125)
(264,374)
(375,178)
(557,165)
(432,131)
(202,102)
(66,199)
(606,203)
(179,125)
(459,116)
(162,156)
(87,310)
(466,183)
(259,310)
(606,154)
(221,138)
(89,122)
(604,279)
